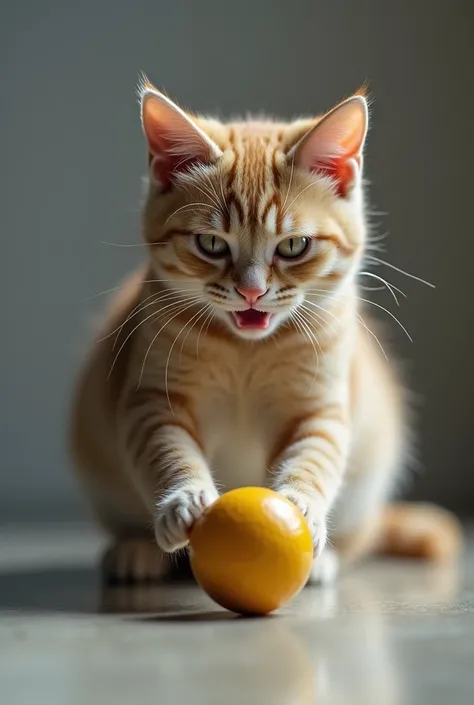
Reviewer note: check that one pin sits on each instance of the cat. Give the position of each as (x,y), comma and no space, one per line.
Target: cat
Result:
(240,354)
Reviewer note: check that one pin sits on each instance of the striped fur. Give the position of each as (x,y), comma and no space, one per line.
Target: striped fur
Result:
(176,403)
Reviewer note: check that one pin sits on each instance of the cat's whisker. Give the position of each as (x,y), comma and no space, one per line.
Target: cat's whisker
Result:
(313,183)
(309,333)
(189,205)
(151,315)
(330,313)
(133,244)
(305,331)
(195,301)
(295,322)
(326,310)
(401,271)
(371,332)
(391,287)
(164,295)
(160,299)
(186,324)
(155,313)
(119,328)
(207,321)
(106,291)
(222,203)
(358,317)
(377,238)
(362,323)
(374,248)
(313,334)
(138,309)
(289,184)
(181,300)
(372,303)
(126,283)
(224,199)
(167,291)
(210,191)
(210,322)
(377,213)
(205,192)
(321,308)
(202,313)
(329,293)
(318,317)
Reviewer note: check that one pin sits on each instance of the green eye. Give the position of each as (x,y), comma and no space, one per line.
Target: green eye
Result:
(212,245)
(292,247)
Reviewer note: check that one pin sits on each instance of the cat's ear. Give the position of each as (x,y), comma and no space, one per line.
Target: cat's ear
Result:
(175,141)
(334,146)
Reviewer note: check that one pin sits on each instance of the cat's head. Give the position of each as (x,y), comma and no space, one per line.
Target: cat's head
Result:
(251,220)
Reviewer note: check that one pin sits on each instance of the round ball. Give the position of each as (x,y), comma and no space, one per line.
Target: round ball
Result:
(251,551)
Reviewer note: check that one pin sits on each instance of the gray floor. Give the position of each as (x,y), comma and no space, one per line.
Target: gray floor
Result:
(390,633)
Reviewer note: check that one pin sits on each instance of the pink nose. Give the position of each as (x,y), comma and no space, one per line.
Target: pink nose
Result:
(251,295)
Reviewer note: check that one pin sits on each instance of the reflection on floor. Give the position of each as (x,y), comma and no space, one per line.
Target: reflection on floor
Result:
(390,633)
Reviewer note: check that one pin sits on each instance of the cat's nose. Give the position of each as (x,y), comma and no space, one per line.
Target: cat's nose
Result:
(251,295)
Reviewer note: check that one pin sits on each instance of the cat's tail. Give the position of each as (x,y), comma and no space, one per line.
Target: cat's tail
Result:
(423,531)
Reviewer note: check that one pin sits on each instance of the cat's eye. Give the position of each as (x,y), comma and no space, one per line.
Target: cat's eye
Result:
(212,245)
(292,247)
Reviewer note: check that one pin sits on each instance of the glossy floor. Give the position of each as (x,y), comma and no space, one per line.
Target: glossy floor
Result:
(390,633)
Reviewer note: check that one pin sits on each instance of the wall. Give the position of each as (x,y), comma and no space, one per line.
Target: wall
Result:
(73,156)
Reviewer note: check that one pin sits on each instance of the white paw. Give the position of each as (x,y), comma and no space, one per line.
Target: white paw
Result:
(177,512)
(311,512)
(325,568)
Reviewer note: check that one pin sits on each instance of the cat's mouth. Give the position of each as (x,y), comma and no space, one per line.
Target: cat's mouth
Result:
(252,319)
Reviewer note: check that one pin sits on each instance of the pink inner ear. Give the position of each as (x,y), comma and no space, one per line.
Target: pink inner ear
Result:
(334,146)
(175,142)
(342,171)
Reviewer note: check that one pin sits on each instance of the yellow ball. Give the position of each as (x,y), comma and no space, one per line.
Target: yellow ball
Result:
(251,551)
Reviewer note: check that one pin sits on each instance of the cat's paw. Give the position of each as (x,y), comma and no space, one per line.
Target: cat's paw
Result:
(311,511)
(177,512)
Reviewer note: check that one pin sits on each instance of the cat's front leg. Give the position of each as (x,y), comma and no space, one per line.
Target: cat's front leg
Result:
(179,508)
(310,467)
(171,472)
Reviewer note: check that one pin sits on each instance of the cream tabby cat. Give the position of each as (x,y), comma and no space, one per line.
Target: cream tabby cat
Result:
(238,355)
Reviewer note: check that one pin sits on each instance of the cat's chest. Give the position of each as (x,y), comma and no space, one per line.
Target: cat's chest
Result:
(239,436)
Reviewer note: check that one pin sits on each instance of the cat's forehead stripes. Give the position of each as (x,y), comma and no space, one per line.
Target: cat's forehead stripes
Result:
(271,217)
(251,178)
(254,180)
(271,214)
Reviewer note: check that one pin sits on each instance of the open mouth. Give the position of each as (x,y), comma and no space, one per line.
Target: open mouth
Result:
(252,319)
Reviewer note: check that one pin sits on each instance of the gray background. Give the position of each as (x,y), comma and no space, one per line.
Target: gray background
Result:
(72,157)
